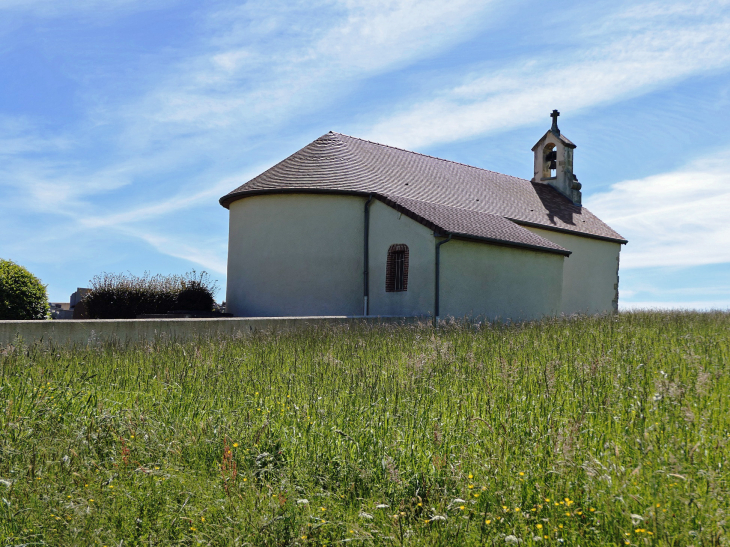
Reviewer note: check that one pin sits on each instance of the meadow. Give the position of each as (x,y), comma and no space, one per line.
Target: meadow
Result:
(577,431)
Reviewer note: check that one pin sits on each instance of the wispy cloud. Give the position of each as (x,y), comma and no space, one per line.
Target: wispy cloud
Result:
(167,206)
(252,67)
(672,219)
(625,54)
(265,63)
(211,255)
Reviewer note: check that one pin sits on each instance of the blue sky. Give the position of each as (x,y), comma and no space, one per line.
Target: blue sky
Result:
(123,121)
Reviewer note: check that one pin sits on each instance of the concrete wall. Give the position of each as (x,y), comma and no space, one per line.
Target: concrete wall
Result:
(590,274)
(503,283)
(388,227)
(295,255)
(96,331)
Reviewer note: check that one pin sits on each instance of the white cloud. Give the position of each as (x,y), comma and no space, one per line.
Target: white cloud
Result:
(167,206)
(265,63)
(210,255)
(379,33)
(672,219)
(254,65)
(624,55)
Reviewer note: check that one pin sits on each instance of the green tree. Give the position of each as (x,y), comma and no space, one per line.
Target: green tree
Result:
(22,295)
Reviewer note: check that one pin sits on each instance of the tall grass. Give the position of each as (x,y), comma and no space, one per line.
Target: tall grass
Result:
(590,431)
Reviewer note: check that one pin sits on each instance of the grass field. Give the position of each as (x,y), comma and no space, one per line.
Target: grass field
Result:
(588,431)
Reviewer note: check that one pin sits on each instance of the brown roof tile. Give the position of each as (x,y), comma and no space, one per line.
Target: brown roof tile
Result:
(452,196)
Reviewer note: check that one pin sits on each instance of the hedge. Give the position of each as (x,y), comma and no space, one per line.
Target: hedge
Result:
(120,296)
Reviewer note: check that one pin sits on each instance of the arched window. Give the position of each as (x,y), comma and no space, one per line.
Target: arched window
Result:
(550,163)
(396,268)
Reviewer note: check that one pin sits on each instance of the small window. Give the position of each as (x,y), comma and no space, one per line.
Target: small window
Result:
(396,272)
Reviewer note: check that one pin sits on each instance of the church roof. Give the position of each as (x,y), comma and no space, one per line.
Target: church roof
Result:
(446,196)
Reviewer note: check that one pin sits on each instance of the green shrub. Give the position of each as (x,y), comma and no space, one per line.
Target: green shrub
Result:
(119,296)
(22,295)
(195,293)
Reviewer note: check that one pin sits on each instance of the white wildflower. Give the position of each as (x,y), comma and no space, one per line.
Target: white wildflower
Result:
(636,519)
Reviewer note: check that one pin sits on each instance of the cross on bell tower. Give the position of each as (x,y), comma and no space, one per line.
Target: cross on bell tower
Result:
(554,128)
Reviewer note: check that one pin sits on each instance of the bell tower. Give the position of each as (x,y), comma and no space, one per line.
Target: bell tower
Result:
(554,162)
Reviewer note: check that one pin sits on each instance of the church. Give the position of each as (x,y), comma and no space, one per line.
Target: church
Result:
(349,227)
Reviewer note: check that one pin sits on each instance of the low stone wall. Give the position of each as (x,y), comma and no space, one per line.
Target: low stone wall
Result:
(95,331)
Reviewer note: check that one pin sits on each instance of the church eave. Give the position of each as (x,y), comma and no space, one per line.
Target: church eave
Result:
(226,200)
(502,243)
(566,231)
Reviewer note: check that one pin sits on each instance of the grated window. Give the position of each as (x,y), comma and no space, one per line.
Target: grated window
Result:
(396,275)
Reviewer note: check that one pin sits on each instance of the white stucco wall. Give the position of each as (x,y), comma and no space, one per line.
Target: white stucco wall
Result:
(388,227)
(590,274)
(294,255)
(496,282)
(302,254)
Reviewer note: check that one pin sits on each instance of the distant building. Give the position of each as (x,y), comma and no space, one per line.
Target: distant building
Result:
(346,226)
(70,310)
(61,310)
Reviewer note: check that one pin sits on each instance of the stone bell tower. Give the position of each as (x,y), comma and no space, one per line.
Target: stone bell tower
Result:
(554,162)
